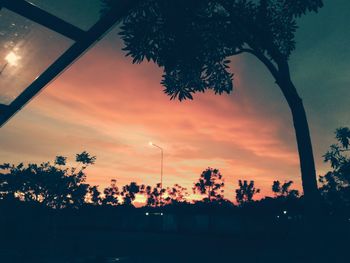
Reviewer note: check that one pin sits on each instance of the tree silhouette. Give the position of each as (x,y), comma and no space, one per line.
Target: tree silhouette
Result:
(246,191)
(85,158)
(192,41)
(55,186)
(60,160)
(95,195)
(153,195)
(129,192)
(283,190)
(336,183)
(336,155)
(176,194)
(111,194)
(210,183)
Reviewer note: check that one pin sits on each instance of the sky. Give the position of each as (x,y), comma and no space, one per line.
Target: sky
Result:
(111,108)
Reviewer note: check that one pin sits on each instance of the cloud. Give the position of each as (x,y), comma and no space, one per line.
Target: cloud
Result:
(112,108)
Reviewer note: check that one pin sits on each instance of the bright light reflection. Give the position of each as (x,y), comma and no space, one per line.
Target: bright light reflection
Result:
(150,143)
(12,59)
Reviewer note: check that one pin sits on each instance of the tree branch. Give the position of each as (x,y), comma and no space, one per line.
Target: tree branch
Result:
(242,50)
(265,61)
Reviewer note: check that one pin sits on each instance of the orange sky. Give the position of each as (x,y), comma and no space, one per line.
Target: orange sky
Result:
(112,109)
(105,105)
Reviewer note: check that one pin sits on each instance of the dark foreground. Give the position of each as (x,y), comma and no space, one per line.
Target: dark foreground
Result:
(115,246)
(103,235)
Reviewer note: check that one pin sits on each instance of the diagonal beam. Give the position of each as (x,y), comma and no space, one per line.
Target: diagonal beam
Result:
(74,52)
(43,18)
(3,108)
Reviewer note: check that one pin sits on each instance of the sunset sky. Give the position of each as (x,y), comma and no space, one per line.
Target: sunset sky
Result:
(111,108)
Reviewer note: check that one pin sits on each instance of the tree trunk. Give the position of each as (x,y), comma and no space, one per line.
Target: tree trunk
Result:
(280,71)
(209,195)
(306,158)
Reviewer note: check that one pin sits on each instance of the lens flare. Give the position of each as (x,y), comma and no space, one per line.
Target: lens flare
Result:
(12,59)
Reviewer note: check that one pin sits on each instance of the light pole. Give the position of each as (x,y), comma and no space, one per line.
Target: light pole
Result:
(161,167)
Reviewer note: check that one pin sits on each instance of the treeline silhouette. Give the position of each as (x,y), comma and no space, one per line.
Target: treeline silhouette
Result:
(59,186)
(56,185)
(51,210)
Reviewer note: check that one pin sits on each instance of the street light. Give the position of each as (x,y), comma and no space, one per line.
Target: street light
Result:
(161,166)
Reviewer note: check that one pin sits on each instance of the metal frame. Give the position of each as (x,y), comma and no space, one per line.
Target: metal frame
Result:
(84,40)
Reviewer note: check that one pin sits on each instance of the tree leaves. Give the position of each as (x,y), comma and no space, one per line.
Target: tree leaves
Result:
(60,160)
(301,7)
(283,190)
(111,194)
(343,136)
(54,186)
(129,192)
(245,192)
(210,183)
(191,40)
(85,158)
(336,183)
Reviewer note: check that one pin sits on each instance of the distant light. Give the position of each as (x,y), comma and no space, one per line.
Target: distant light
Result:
(161,214)
(278,216)
(285,212)
(12,59)
(146,213)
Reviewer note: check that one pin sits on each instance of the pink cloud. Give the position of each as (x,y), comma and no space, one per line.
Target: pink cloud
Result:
(111,108)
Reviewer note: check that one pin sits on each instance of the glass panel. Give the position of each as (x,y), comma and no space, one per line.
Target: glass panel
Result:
(81,13)
(26,50)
